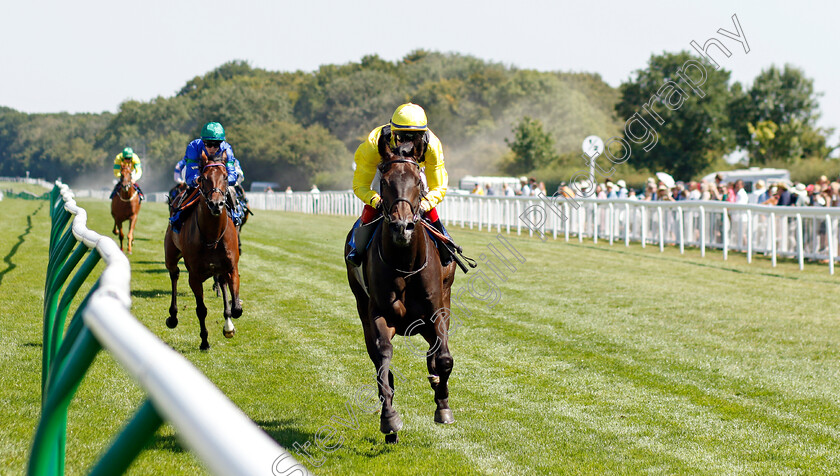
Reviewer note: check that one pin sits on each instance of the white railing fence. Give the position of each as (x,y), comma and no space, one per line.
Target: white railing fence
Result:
(800,232)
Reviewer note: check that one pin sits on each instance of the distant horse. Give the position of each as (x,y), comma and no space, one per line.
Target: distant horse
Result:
(208,243)
(125,206)
(409,289)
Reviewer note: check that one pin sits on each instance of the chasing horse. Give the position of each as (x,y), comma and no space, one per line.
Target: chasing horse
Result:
(206,238)
(125,205)
(402,286)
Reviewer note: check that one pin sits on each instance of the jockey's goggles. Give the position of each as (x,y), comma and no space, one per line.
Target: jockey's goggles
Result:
(212,143)
(408,136)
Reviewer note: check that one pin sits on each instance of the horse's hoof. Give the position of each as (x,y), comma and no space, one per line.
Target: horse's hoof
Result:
(205,346)
(391,424)
(444,416)
(171,322)
(229,334)
(391,439)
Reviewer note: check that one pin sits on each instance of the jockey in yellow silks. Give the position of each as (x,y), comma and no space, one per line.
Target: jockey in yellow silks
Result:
(128,155)
(407,125)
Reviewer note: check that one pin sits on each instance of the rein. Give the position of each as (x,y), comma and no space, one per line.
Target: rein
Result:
(130,197)
(406,274)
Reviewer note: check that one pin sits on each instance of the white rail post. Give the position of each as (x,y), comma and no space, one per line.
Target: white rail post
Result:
(725,235)
(471,213)
(501,215)
(595,222)
(507,215)
(749,236)
(518,221)
(612,222)
(661,229)
(554,217)
(773,237)
(682,231)
(480,209)
(644,226)
(830,234)
(799,248)
(702,232)
(568,222)
(626,224)
(581,212)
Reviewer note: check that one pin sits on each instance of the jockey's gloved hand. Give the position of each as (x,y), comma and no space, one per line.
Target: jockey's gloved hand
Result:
(425,205)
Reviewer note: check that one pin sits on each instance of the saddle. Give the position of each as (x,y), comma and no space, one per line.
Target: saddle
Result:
(180,211)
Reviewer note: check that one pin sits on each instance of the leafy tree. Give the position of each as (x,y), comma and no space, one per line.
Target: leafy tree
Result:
(691,130)
(532,147)
(786,98)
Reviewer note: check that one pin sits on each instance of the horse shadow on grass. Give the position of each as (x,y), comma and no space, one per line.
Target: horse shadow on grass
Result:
(151,293)
(285,432)
(21,239)
(166,443)
(152,271)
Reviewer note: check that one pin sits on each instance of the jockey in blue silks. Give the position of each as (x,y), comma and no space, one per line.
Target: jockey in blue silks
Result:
(212,143)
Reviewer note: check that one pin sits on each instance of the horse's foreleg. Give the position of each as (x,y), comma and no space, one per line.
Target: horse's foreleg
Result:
(200,309)
(118,228)
(382,352)
(228,330)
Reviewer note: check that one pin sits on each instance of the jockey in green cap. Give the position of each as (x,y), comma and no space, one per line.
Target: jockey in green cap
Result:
(128,155)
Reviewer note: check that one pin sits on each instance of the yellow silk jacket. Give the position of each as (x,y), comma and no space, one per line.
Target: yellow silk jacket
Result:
(136,168)
(367,159)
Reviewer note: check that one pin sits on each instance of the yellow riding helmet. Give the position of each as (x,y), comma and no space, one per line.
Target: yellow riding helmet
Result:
(409,117)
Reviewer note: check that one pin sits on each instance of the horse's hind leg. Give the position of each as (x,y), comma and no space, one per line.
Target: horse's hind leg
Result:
(228,330)
(172,257)
(440,363)
(233,284)
(131,223)
(200,309)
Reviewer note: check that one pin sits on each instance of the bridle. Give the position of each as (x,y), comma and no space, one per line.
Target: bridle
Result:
(207,203)
(386,211)
(212,190)
(125,184)
(386,207)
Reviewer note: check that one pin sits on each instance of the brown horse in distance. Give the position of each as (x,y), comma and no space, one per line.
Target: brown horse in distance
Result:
(409,288)
(208,243)
(125,206)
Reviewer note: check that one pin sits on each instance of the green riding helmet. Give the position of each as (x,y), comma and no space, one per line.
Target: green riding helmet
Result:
(128,153)
(213,131)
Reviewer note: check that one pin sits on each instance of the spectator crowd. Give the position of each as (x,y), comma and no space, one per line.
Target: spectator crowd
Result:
(823,193)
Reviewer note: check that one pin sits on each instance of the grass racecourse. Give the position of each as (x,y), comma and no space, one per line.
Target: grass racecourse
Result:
(595,359)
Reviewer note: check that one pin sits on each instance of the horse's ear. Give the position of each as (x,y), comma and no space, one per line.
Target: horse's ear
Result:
(203,160)
(385,147)
(224,156)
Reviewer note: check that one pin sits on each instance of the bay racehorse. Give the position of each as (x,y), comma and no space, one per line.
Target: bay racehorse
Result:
(408,290)
(125,206)
(207,241)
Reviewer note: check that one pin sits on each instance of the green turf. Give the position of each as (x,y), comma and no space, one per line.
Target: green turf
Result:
(596,359)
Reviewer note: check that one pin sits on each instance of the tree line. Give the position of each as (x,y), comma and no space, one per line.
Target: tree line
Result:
(301,128)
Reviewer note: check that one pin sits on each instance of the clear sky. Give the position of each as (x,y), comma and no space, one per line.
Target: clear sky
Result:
(90,55)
